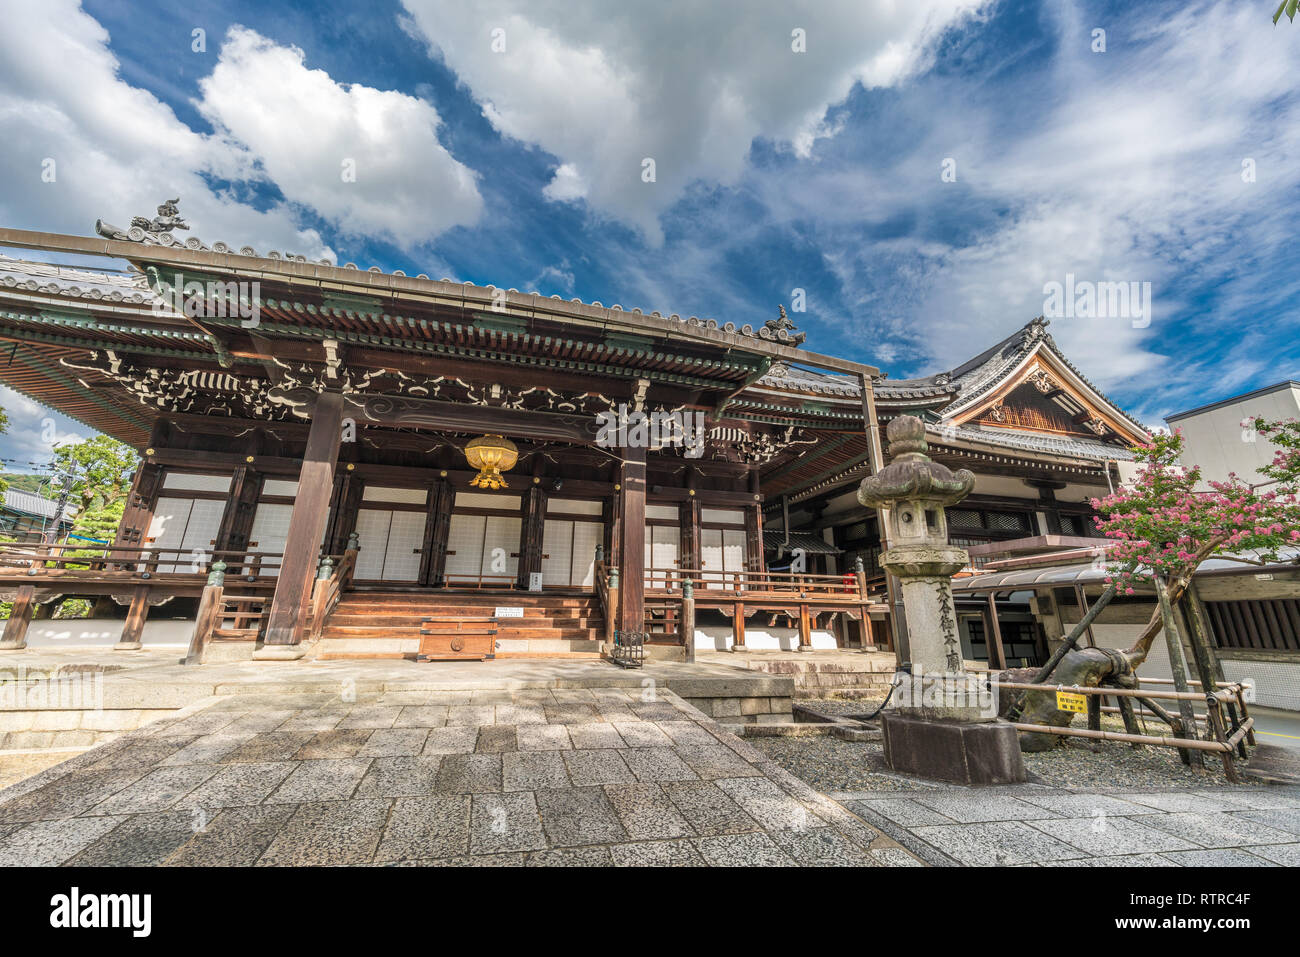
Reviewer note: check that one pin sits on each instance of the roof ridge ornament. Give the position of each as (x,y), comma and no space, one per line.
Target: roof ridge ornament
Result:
(156,231)
(782,329)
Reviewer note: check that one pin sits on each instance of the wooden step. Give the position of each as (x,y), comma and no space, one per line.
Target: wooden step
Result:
(414,631)
(513,599)
(425,608)
(400,621)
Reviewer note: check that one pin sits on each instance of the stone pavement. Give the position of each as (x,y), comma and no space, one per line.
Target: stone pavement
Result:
(541,776)
(1032,824)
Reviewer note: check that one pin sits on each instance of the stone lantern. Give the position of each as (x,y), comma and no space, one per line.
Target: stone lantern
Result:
(941,721)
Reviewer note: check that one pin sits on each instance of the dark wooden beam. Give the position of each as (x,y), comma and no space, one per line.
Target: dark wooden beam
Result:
(631,579)
(452,416)
(306,526)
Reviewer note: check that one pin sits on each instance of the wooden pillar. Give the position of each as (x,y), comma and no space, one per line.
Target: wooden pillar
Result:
(995,635)
(436,528)
(631,496)
(344,504)
(241,508)
(531,530)
(135,618)
(686,623)
(689,519)
(612,515)
(805,628)
(20,616)
(737,626)
(137,515)
(306,526)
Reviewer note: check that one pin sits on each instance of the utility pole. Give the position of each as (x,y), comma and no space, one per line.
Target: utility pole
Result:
(65,480)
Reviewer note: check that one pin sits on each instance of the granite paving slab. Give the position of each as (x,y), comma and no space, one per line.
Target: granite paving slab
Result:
(656,854)
(402,776)
(1217,830)
(573,816)
(426,827)
(1288,855)
(600,766)
(532,770)
(1283,819)
(1115,835)
(237,785)
(505,822)
(394,742)
(324,780)
(371,716)
(1217,857)
(646,812)
(139,840)
(997,843)
(329,834)
(47,843)
(334,743)
(236,837)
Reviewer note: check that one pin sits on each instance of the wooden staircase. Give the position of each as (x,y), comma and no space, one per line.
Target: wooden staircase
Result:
(373,624)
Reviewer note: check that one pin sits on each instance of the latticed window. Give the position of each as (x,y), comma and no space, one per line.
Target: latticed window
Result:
(964,519)
(1265,625)
(856,532)
(1007,521)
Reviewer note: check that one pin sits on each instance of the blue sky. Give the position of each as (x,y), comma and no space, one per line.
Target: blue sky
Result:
(505,142)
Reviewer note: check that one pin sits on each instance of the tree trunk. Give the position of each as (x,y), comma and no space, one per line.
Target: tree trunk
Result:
(1087,667)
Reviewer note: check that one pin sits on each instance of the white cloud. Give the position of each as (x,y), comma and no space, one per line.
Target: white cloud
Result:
(33,432)
(603,87)
(567,184)
(367,160)
(117,150)
(1122,166)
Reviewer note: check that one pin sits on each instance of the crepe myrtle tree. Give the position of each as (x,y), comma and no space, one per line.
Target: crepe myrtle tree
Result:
(1161,528)
(1289,8)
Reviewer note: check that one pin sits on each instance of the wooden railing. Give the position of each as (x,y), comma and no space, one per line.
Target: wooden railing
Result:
(334,576)
(479,581)
(606,584)
(802,598)
(118,561)
(1230,697)
(793,586)
(242,617)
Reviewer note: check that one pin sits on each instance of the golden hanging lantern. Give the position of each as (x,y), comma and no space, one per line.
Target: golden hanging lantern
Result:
(491,455)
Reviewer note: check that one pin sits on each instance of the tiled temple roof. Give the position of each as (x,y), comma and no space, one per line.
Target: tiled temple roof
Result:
(106,286)
(979,375)
(1069,446)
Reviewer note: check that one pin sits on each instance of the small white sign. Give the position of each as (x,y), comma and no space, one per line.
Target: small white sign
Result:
(510,613)
(534,581)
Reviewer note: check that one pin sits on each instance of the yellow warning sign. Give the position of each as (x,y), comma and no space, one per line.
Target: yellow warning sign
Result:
(1066,701)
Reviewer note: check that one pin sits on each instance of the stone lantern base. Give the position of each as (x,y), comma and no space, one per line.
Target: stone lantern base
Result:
(963,752)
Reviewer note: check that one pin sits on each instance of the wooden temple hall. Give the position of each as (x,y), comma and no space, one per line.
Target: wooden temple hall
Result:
(340,462)
(330,456)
